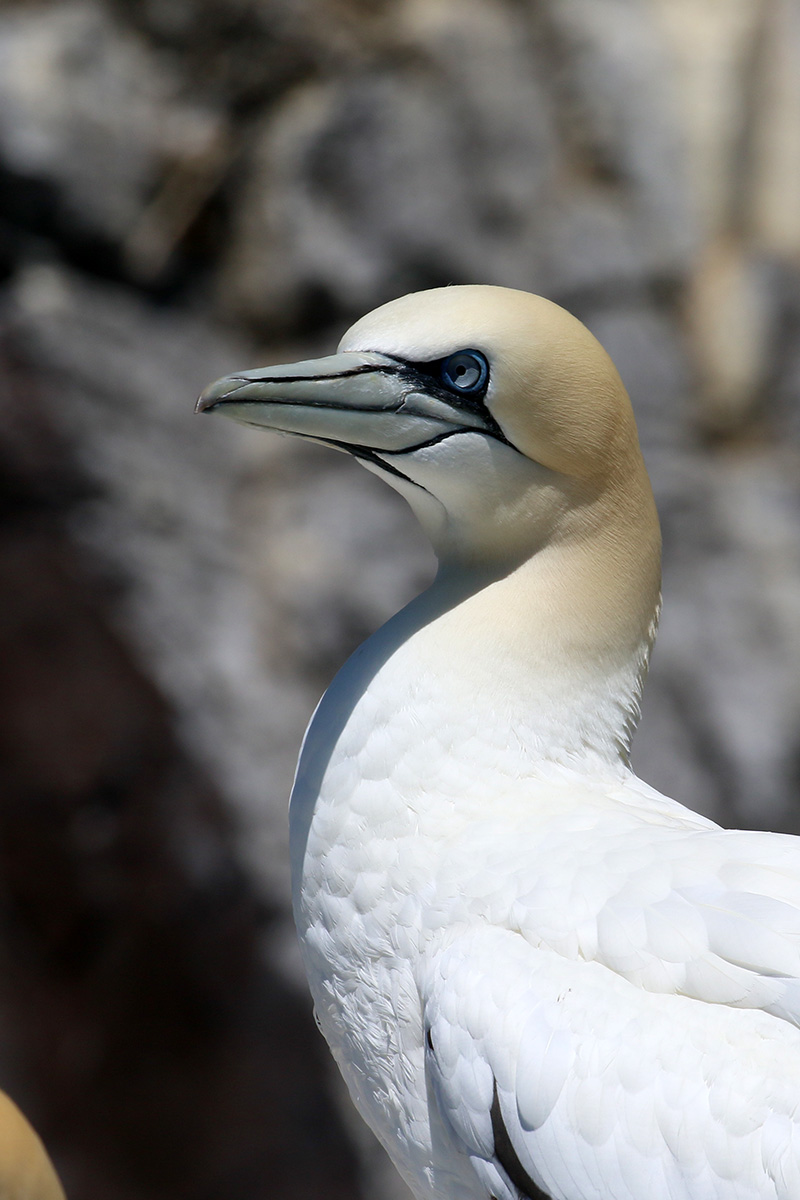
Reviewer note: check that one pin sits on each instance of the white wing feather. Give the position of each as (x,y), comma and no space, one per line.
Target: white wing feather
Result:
(701,921)
(624,1009)
(688,909)
(601,1088)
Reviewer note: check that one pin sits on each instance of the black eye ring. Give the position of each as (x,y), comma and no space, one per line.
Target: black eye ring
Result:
(465,372)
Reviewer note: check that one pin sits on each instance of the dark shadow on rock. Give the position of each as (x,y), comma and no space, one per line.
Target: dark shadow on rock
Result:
(158,1053)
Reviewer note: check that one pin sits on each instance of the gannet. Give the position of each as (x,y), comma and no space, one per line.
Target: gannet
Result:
(538,975)
(26,1172)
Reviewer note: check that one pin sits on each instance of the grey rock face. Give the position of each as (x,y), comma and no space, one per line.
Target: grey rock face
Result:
(91,110)
(431,163)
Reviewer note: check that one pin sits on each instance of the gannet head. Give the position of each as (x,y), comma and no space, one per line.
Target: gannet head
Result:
(495,412)
(506,426)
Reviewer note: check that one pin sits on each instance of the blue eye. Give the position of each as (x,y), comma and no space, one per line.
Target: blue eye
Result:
(466,372)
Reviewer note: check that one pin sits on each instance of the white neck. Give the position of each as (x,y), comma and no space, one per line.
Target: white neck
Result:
(543,665)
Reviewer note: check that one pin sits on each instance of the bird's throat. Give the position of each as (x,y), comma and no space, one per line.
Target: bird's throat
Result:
(501,678)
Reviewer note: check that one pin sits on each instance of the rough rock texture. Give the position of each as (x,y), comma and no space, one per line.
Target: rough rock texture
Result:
(143,1025)
(192,186)
(428,163)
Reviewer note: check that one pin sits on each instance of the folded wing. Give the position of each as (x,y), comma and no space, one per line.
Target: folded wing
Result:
(562,1076)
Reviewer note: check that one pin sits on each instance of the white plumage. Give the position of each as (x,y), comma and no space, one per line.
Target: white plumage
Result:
(534,971)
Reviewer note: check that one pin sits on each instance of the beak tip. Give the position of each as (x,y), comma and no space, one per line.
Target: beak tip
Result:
(216,393)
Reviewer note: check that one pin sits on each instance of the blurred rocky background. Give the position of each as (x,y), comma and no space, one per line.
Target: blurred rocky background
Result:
(191,186)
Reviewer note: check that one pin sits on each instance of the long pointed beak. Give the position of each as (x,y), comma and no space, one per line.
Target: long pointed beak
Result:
(363,400)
